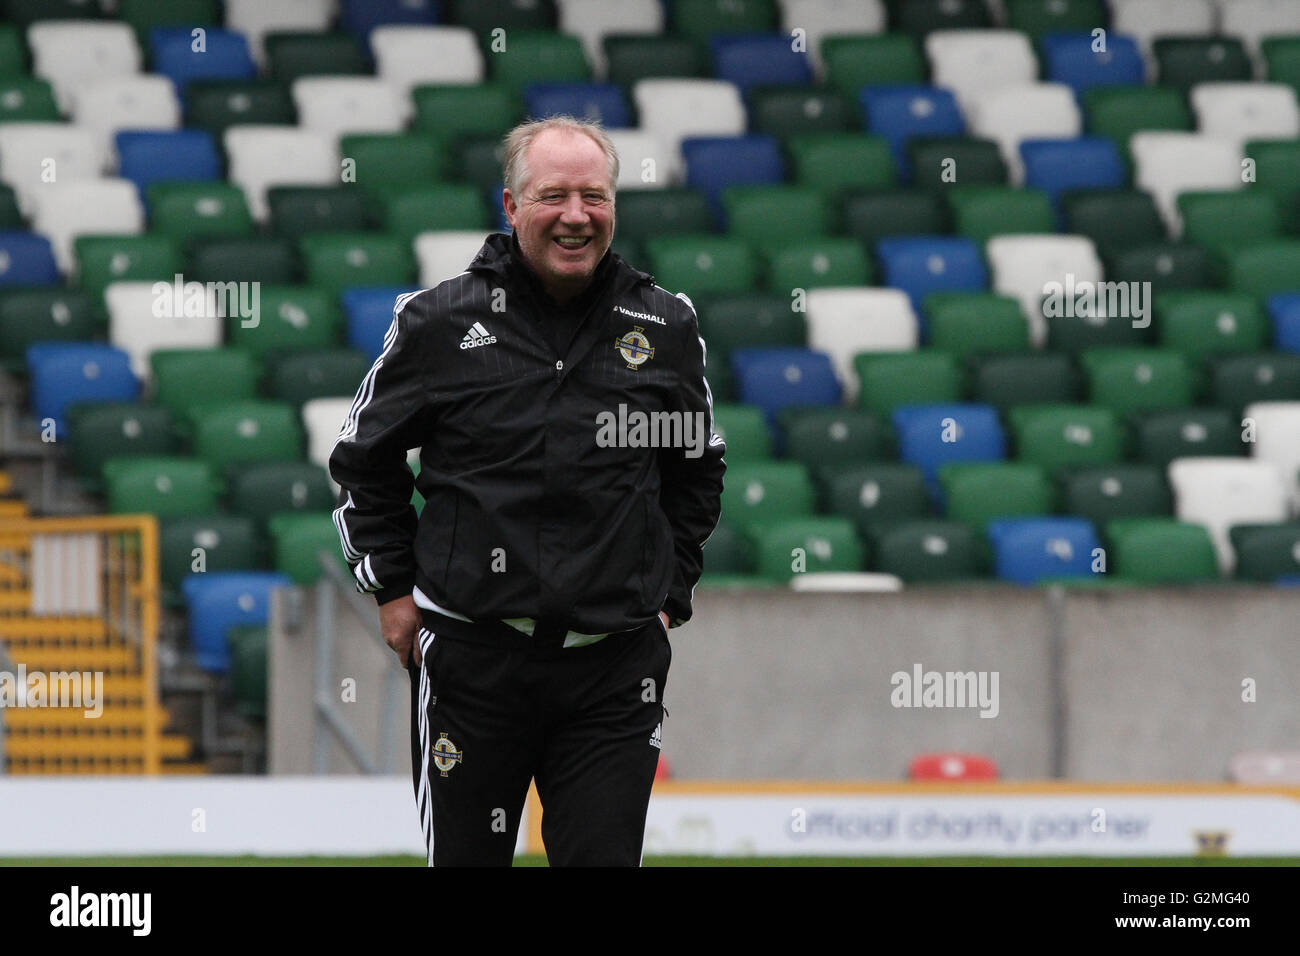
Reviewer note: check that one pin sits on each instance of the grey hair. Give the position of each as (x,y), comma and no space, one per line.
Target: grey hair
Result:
(521,137)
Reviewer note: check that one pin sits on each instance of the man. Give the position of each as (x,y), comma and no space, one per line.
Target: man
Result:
(571,477)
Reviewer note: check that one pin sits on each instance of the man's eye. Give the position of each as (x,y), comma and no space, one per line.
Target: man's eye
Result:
(551,197)
(596,198)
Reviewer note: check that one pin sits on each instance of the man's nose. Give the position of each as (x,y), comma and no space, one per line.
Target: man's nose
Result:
(575,210)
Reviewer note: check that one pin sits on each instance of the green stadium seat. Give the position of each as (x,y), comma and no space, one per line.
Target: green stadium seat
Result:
(105,259)
(795,111)
(290,317)
(925,16)
(833,437)
(929,550)
(980,492)
(835,162)
(807,545)
(1182,62)
(1105,492)
(1240,380)
(982,212)
(188,211)
(975,323)
(144,15)
(302,210)
(190,544)
(248,667)
(702,264)
(26,12)
(748,320)
(1266,552)
(417,209)
(1118,112)
(186,378)
(300,376)
(1166,265)
(164,486)
(855,61)
(813,262)
(940,162)
(1114,219)
(1076,333)
(267,259)
(240,432)
(727,552)
(103,430)
(701,19)
(395,159)
(1277,172)
(454,112)
(539,57)
(1266,268)
(27,100)
(263,489)
(645,213)
(479,163)
(290,55)
(761,491)
(1130,380)
(889,379)
(634,57)
(872,216)
(1160,551)
(874,494)
(744,429)
(484,16)
(13,52)
(1202,324)
(1282,58)
(1226,221)
(1037,17)
(297,541)
(1173,433)
(215,105)
(10,215)
(31,315)
(768,216)
(1060,436)
(1039,378)
(338,261)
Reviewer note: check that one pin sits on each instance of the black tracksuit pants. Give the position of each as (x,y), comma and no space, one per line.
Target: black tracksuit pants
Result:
(490,715)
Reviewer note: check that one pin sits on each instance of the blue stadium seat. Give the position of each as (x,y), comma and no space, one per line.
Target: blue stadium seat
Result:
(1058,165)
(61,374)
(933,435)
(1070,59)
(592,101)
(219,600)
(1284,309)
(779,378)
(715,162)
(362,16)
(920,265)
(152,156)
(225,56)
(26,259)
(751,59)
(369,313)
(900,112)
(1029,550)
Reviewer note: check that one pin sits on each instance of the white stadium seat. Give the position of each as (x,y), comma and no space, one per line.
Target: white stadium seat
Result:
(1253,20)
(593,20)
(972,62)
(135,328)
(1243,111)
(1166,163)
(322,418)
(338,105)
(1221,492)
(841,582)
(847,320)
(38,157)
(408,55)
(674,109)
(819,19)
(1146,20)
(264,156)
(127,102)
(1023,266)
(445,254)
(644,162)
(256,18)
(1277,440)
(69,53)
(1009,115)
(86,207)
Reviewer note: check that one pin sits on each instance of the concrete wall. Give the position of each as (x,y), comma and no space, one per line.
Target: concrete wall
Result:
(1107,685)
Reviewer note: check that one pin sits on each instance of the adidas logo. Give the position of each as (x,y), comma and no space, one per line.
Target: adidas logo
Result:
(656,739)
(476,336)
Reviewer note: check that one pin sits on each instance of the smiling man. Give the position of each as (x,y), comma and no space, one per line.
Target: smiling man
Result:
(532,598)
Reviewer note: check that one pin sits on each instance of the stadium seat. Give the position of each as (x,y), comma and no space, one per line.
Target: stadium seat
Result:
(728,558)
(1182,62)
(335,105)
(81,54)
(105,259)
(701,19)
(796,111)
(248,431)
(26,259)
(25,100)
(770,216)
(1284,310)
(369,313)
(873,494)
(1034,549)
(633,58)
(31,315)
(775,379)
(141,322)
(745,431)
(702,263)
(927,550)
(105,430)
(216,105)
(824,19)
(595,20)
(1037,378)
(971,323)
(298,540)
(1037,17)
(970,62)
(933,435)
(791,547)
(225,56)
(454,111)
(878,214)
(1162,436)
(292,55)
(884,381)
(411,210)
(1277,172)
(1129,380)
(539,56)
(1252,20)
(184,379)
(1202,324)
(1166,265)
(256,18)
(1220,492)
(86,207)
(298,377)
(343,259)
(189,544)
(979,492)
(1117,112)
(1266,552)
(1116,220)
(674,109)
(383,161)
(714,163)
(1266,268)
(264,489)
(1145,20)
(1276,435)
(1060,436)
(603,102)
(1009,115)
(643,215)
(763,491)
(854,61)
(813,263)
(836,162)
(1282,56)
(1070,58)
(981,212)
(322,418)
(756,60)
(23,13)
(445,254)
(645,162)
(263,156)
(1028,268)
(137,102)
(248,666)
(1058,166)
(921,265)
(952,766)
(221,600)
(899,113)
(297,211)
(365,17)
(1243,111)
(262,259)
(1094,328)
(745,320)
(147,157)
(164,486)
(1101,493)
(61,374)
(1240,380)
(938,163)
(844,322)
(289,317)
(831,437)
(1160,551)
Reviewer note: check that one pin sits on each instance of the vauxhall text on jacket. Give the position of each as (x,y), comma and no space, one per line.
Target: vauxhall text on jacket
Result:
(575,487)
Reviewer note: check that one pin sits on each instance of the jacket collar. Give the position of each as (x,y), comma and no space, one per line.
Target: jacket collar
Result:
(500,255)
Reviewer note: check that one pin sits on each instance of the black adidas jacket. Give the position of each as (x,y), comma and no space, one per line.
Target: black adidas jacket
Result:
(531,511)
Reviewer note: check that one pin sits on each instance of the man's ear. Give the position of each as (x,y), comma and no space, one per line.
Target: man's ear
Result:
(508,201)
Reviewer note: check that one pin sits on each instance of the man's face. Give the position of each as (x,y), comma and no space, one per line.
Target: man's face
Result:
(564,213)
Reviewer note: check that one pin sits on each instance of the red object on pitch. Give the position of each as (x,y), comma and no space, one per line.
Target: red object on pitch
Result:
(663,771)
(953,766)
